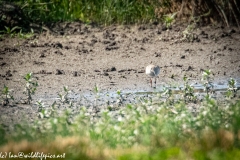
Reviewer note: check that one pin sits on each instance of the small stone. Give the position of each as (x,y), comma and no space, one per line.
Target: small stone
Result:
(59,72)
(75,74)
(105,74)
(183,57)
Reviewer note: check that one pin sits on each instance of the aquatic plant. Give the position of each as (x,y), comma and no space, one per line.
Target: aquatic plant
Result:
(207,81)
(232,88)
(6,95)
(188,91)
(64,97)
(30,86)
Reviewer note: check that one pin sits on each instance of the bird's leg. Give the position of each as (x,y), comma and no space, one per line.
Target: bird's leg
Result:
(151,82)
(155,82)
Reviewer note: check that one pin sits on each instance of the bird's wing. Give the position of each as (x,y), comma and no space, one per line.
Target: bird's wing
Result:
(152,70)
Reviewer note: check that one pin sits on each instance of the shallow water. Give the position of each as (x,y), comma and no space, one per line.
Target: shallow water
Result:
(105,98)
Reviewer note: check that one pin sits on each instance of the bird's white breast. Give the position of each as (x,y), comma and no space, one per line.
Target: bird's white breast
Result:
(152,70)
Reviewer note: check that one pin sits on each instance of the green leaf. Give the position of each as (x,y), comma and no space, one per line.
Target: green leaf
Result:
(14,28)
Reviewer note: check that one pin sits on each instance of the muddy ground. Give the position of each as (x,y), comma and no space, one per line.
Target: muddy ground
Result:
(81,56)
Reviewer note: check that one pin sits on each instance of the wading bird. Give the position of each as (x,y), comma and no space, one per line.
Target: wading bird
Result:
(153,71)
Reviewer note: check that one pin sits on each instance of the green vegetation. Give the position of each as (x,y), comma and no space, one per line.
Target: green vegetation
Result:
(6,96)
(207,81)
(168,19)
(188,91)
(28,35)
(10,31)
(13,32)
(168,129)
(232,88)
(22,16)
(127,11)
(64,97)
(100,11)
(30,86)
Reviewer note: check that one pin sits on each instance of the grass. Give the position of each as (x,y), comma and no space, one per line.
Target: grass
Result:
(44,14)
(11,32)
(126,11)
(147,130)
(103,11)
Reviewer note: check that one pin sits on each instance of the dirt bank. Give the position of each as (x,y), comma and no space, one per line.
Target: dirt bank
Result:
(115,57)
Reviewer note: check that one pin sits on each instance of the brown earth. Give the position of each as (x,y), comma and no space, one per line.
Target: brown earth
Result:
(115,57)
(79,56)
